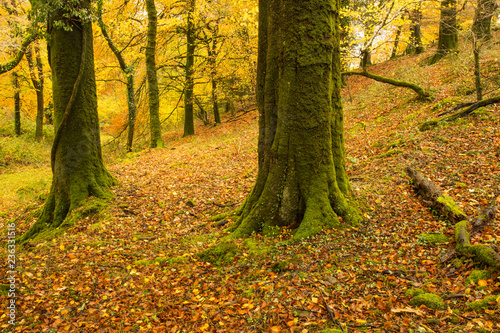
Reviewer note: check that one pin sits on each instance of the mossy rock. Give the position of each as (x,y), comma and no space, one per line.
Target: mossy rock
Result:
(220,254)
(445,103)
(492,301)
(413,292)
(477,275)
(429,300)
(457,263)
(428,125)
(433,238)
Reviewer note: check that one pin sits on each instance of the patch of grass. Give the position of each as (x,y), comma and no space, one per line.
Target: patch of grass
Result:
(26,185)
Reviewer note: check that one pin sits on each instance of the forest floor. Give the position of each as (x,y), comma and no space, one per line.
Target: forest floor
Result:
(135,265)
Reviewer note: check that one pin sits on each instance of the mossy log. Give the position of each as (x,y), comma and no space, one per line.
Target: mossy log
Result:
(422,94)
(435,198)
(486,216)
(483,253)
(459,114)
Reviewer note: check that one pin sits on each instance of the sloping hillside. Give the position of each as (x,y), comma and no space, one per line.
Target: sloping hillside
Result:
(140,263)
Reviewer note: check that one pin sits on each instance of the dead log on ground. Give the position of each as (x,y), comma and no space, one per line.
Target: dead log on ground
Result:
(435,198)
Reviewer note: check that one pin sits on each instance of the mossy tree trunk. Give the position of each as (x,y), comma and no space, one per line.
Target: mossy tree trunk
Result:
(37,80)
(156,140)
(189,68)
(77,166)
(302,182)
(17,103)
(128,70)
(415,46)
(448,30)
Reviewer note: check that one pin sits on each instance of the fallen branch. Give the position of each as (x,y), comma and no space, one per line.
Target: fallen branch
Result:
(435,198)
(460,114)
(422,94)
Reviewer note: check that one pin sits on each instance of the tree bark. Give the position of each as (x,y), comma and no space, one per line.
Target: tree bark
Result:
(188,94)
(396,42)
(301,181)
(17,103)
(128,70)
(448,30)
(77,166)
(156,140)
(37,79)
(212,59)
(422,94)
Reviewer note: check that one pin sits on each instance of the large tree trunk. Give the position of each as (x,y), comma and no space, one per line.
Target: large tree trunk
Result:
(188,94)
(77,166)
(17,103)
(156,140)
(448,31)
(37,79)
(301,180)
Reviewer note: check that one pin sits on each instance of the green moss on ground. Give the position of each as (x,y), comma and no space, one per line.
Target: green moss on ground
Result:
(477,275)
(428,125)
(4,289)
(220,254)
(413,292)
(283,265)
(492,301)
(457,263)
(429,300)
(255,247)
(433,238)
(389,153)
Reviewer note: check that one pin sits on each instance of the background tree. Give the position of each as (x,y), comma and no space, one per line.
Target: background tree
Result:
(17,103)
(128,70)
(76,158)
(156,140)
(190,48)
(301,180)
(448,30)
(415,45)
(36,75)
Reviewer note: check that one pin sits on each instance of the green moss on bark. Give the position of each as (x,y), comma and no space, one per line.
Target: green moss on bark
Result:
(302,183)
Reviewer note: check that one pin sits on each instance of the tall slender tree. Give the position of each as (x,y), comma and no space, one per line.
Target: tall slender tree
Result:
(37,80)
(302,181)
(76,158)
(17,103)
(189,69)
(128,70)
(156,140)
